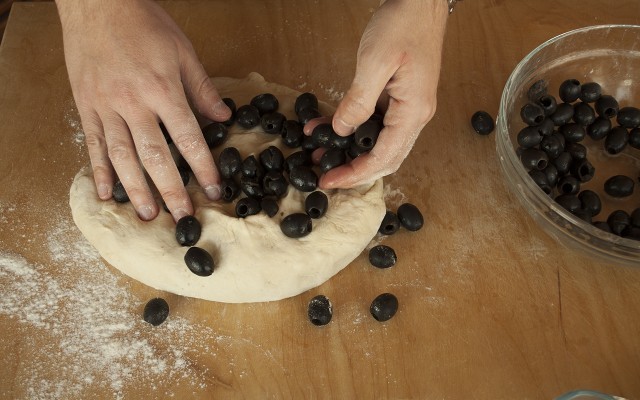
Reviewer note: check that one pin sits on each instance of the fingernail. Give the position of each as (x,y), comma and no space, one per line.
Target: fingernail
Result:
(104,191)
(220,109)
(179,214)
(145,213)
(213,192)
(343,127)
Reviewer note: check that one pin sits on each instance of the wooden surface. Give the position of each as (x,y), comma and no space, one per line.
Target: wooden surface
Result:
(490,306)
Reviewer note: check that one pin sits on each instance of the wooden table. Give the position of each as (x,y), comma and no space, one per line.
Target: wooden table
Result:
(490,306)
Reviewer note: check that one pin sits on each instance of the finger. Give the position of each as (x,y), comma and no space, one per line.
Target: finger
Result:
(122,153)
(103,173)
(158,162)
(201,90)
(311,124)
(403,125)
(188,139)
(372,75)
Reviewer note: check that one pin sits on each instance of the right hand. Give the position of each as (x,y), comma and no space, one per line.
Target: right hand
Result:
(131,67)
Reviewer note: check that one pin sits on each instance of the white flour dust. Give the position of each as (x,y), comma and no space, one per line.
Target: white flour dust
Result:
(93,325)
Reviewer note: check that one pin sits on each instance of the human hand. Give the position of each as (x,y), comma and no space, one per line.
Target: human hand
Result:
(397,71)
(130,68)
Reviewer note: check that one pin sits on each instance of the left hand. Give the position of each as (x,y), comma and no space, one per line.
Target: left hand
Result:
(398,67)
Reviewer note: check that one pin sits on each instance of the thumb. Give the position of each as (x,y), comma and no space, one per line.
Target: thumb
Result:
(359,103)
(201,90)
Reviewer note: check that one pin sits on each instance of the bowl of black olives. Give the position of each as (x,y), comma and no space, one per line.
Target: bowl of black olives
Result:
(568,139)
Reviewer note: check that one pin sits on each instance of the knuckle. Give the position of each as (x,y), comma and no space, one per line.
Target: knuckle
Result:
(357,107)
(153,155)
(94,140)
(118,152)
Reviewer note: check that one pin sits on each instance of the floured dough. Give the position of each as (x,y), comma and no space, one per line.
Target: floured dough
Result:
(254,260)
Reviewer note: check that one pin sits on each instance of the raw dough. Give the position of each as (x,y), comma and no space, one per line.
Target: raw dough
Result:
(254,260)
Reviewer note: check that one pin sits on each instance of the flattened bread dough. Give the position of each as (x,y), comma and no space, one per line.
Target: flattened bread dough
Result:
(255,262)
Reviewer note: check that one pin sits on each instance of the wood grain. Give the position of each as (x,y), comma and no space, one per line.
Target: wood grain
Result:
(490,306)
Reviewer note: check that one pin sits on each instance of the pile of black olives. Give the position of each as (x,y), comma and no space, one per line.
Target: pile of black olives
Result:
(265,178)
(550,148)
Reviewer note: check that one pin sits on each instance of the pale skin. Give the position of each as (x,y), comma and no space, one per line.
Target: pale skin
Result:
(130,67)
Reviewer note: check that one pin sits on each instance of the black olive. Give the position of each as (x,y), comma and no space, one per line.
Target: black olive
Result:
(590,92)
(540,179)
(252,187)
(270,206)
(214,134)
(321,135)
(355,151)
(548,104)
(272,159)
(635,218)
(272,122)
(230,189)
(296,225)
(618,221)
(340,142)
(410,217)
(546,127)
(616,140)
(307,114)
(199,261)
(634,138)
(265,103)
(569,202)
(583,114)
(251,168)
(529,137)
(570,90)
(382,256)
(482,123)
(308,144)
(607,106)
(384,307)
(319,310)
(552,175)
(229,162)
(316,204)
(331,159)
(577,151)
(297,159)
(247,206)
(552,145)
(534,158)
(629,117)
(631,232)
(303,178)
(188,230)
(590,202)
(599,128)
(619,186)
(274,183)
(563,162)
(247,116)
(366,135)
(292,134)
(232,106)
(568,185)
(305,100)
(573,132)
(156,311)
(583,170)
(119,193)
(537,90)
(563,114)
(390,223)
(532,114)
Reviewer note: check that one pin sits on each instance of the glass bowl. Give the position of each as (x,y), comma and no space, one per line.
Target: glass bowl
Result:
(610,56)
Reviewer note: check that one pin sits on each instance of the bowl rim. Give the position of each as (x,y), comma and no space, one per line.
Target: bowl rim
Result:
(505,149)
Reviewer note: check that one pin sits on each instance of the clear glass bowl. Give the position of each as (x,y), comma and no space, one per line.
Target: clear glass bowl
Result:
(610,56)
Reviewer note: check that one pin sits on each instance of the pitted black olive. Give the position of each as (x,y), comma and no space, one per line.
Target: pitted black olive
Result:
(292,134)
(272,122)
(382,256)
(390,223)
(316,204)
(384,307)
(156,311)
(199,261)
(247,206)
(188,230)
(410,217)
(214,134)
(319,310)
(248,116)
(265,103)
(296,225)
(303,178)
(229,162)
